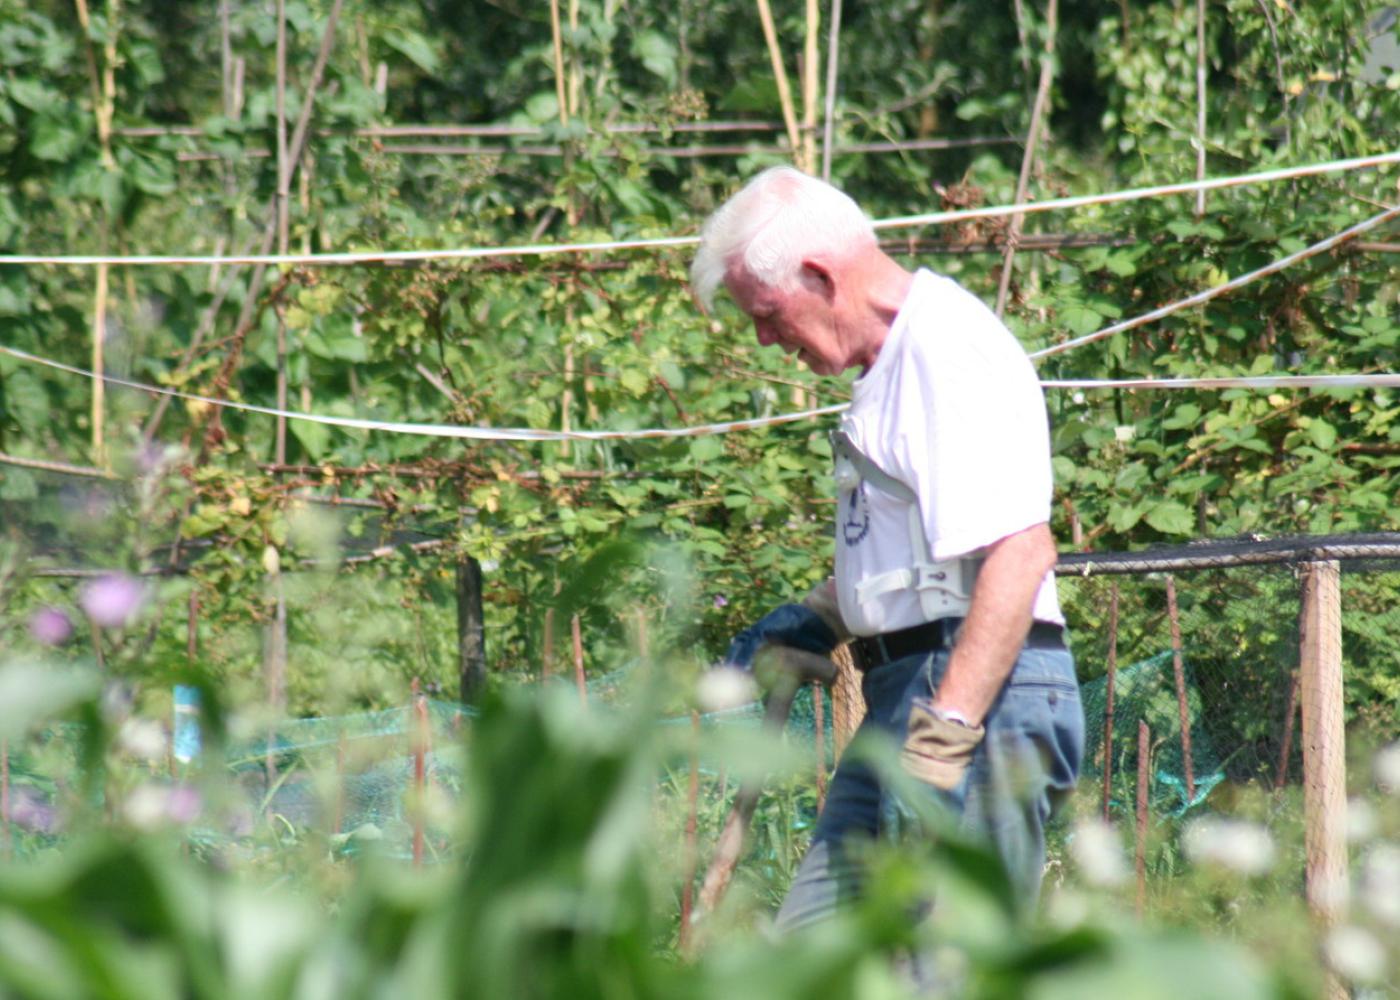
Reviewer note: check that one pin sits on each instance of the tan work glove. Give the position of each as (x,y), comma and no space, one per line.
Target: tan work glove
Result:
(936,749)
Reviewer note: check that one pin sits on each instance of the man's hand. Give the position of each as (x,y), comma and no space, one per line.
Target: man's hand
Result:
(937,749)
(788,625)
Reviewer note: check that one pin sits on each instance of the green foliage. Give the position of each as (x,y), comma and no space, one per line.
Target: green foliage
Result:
(671,542)
(559,891)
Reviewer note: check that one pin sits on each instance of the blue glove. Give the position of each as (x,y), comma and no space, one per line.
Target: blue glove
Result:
(793,625)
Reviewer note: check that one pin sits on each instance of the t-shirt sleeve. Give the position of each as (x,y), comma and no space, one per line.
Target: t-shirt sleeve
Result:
(979,458)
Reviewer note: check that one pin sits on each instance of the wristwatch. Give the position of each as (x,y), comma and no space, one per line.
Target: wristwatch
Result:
(954,716)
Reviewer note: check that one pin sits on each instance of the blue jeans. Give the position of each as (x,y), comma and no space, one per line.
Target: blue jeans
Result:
(1025,766)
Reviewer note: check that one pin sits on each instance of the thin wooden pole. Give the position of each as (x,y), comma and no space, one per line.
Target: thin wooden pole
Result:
(471,631)
(811,67)
(692,850)
(578,660)
(1042,95)
(1109,683)
(1182,705)
(1285,749)
(547,654)
(1324,741)
(833,54)
(5,796)
(775,55)
(249,309)
(338,817)
(819,718)
(99,387)
(103,84)
(1200,103)
(282,196)
(1144,755)
(420,770)
(557,35)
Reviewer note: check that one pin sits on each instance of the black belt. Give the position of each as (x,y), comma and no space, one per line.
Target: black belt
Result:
(877,650)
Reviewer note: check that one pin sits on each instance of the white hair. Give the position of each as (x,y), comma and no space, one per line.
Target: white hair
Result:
(775,221)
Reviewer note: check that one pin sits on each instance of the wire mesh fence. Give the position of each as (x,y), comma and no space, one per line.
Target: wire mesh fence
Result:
(1202,644)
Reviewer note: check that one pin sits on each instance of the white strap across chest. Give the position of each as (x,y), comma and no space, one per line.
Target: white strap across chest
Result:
(944,588)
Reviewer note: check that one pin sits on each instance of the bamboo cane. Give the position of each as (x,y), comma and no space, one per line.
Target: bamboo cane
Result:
(1200,103)
(775,55)
(1285,749)
(578,660)
(1140,853)
(692,853)
(420,753)
(811,66)
(5,795)
(818,717)
(833,52)
(281,197)
(1182,705)
(1042,95)
(1108,703)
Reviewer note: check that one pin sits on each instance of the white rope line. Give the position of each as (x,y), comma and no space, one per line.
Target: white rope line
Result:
(438,430)
(1200,297)
(1377,380)
(543,249)
(725,427)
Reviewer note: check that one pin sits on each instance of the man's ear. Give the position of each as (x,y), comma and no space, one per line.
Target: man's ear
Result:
(817,276)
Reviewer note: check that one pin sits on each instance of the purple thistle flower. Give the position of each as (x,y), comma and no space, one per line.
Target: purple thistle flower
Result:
(50,626)
(28,811)
(113,600)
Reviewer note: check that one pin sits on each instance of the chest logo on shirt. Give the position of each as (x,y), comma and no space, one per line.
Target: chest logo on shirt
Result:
(855,520)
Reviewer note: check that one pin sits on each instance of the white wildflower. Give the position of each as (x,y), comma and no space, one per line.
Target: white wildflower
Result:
(1388,769)
(726,687)
(1238,845)
(1355,954)
(142,739)
(1361,821)
(147,806)
(1379,885)
(1124,432)
(1098,852)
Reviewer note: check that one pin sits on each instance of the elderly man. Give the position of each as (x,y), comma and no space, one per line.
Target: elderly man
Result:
(943,574)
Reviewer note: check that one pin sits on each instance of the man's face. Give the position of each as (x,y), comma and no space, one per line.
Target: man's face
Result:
(799,320)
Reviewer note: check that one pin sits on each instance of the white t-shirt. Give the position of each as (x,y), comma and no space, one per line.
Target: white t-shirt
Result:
(953,409)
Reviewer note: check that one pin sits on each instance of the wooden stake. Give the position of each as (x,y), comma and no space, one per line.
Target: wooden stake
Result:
(833,52)
(5,795)
(1285,749)
(1108,692)
(578,660)
(1143,774)
(471,631)
(1200,103)
(1042,95)
(692,853)
(99,387)
(811,64)
(557,36)
(420,752)
(1182,705)
(819,718)
(775,55)
(1324,741)
(284,176)
(547,654)
(338,816)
